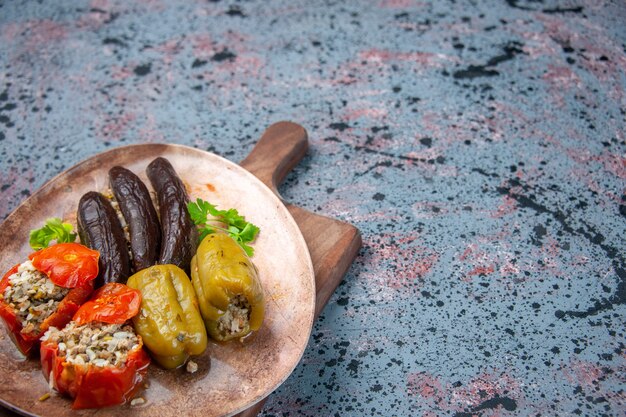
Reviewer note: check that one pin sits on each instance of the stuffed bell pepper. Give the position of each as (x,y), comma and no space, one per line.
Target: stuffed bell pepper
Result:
(46,291)
(228,288)
(169,320)
(97,359)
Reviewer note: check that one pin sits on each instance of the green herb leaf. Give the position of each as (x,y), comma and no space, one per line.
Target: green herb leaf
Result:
(198,211)
(204,233)
(249,249)
(205,215)
(249,232)
(53,229)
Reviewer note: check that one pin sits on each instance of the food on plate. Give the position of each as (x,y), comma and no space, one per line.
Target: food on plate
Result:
(229,291)
(141,218)
(209,219)
(53,229)
(100,229)
(97,359)
(169,320)
(113,303)
(68,265)
(178,233)
(91,349)
(46,291)
(97,364)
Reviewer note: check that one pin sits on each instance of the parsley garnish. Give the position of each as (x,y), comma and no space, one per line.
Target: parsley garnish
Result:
(54,229)
(206,215)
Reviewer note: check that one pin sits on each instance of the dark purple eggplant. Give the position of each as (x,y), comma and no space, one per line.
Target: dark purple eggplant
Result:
(100,229)
(179,235)
(144,229)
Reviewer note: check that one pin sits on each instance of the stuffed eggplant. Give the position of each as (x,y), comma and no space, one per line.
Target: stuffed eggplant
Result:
(229,291)
(100,229)
(144,229)
(178,232)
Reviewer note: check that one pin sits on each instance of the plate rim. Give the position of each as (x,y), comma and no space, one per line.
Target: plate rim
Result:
(280,204)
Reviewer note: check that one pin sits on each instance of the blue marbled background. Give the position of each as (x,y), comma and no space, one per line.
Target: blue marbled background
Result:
(479,146)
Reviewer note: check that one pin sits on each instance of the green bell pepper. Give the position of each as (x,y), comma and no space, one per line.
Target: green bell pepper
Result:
(168,321)
(228,287)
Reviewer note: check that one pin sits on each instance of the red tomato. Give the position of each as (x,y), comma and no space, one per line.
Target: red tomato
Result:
(9,316)
(93,386)
(63,314)
(113,303)
(68,265)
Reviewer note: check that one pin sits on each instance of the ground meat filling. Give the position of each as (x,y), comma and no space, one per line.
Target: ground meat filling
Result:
(95,343)
(33,296)
(120,216)
(236,319)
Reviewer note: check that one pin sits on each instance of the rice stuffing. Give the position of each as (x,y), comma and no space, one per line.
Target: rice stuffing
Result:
(120,216)
(236,319)
(191,367)
(95,343)
(33,296)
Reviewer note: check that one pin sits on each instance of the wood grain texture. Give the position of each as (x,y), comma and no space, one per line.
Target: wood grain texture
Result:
(280,148)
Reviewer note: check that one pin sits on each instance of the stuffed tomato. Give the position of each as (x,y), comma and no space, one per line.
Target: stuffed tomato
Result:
(97,359)
(46,291)
(97,364)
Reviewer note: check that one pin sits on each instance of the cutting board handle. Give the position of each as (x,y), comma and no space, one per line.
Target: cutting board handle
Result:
(333,244)
(280,148)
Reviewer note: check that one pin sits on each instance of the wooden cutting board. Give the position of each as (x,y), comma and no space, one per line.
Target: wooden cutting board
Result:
(333,245)
(280,148)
